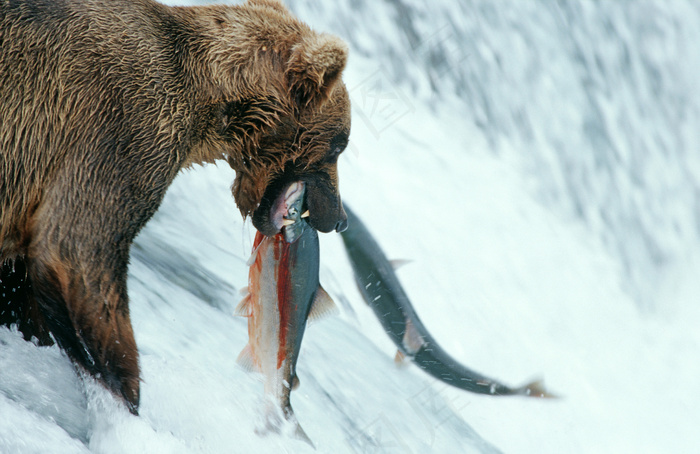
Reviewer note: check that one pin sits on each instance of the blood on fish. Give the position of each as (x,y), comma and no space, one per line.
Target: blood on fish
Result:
(284,289)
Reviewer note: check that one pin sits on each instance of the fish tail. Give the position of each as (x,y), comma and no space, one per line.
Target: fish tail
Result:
(283,422)
(294,428)
(535,389)
(299,434)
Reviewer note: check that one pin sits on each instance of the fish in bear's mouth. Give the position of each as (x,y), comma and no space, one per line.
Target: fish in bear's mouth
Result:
(322,207)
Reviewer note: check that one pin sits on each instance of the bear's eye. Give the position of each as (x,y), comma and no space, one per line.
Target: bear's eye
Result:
(337,146)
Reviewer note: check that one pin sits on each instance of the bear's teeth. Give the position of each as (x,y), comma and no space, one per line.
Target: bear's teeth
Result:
(306,214)
(286,222)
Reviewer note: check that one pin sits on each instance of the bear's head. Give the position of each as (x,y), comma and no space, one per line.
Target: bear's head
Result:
(279,109)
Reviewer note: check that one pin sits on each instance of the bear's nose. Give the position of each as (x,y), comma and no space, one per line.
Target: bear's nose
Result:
(341,226)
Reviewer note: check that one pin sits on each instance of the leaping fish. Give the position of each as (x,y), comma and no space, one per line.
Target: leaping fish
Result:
(382,291)
(283,292)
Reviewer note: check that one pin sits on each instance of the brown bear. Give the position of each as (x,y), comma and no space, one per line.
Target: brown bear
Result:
(102,102)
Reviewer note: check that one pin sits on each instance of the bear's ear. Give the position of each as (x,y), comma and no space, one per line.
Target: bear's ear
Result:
(315,66)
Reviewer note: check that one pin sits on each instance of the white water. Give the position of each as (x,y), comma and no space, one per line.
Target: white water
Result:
(539,164)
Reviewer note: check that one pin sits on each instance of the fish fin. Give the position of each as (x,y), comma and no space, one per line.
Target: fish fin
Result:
(398,263)
(246,359)
(412,340)
(301,435)
(282,421)
(244,308)
(399,358)
(298,432)
(244,291)
(251,259)
(295,382)
(322,306)
(254,254)
(536,389)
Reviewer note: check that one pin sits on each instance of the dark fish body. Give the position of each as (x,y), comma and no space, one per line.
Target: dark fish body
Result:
(283,289)
(382,291)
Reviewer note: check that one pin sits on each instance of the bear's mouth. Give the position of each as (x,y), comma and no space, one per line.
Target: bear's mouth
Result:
(323,209)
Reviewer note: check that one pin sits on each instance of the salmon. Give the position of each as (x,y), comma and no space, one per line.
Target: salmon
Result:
(283,293)
(382,291)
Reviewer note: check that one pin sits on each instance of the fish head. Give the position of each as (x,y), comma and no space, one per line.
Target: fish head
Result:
(288,212)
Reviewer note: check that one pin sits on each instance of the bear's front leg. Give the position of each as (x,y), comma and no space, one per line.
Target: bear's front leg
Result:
(86,310)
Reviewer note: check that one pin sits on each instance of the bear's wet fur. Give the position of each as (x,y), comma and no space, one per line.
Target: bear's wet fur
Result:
(102,103)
